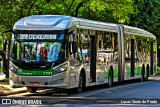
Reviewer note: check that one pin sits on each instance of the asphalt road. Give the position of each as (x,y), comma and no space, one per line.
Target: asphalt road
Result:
(150,89)
(121,94)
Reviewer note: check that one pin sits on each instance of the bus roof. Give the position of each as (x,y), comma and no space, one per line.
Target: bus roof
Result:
(58,22)
(137,31)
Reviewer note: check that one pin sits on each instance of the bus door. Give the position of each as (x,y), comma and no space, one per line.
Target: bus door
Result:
(93,54)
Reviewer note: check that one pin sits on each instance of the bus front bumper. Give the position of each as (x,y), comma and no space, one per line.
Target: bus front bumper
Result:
(55,81)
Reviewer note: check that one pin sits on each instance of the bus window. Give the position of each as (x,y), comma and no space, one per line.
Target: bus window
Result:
(38,51)
(107,48)
(85,47)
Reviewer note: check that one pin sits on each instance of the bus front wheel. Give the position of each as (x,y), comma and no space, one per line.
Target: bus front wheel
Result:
(80,83)
(32,89)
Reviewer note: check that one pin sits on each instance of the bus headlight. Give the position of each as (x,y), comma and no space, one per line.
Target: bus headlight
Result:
(61,69)
(12,69)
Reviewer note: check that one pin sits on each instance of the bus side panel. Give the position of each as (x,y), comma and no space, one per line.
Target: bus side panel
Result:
(142,55)
(74,75)
(127,46)
(153,57)
(107,56)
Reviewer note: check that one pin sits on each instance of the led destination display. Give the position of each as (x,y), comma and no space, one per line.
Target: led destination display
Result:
(37,36)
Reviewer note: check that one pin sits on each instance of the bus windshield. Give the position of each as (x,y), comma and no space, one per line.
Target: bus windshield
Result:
(37,51)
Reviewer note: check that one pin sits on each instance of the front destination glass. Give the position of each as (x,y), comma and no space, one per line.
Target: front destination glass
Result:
(37,51)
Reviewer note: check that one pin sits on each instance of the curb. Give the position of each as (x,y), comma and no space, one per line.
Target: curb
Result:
(14,92)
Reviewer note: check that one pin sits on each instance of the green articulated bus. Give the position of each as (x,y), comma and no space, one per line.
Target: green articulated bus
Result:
(68,52)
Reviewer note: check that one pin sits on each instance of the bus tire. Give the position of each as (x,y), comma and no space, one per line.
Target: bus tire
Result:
(147,73)
(110,78)
(32,89)
(80,83)
(142,73)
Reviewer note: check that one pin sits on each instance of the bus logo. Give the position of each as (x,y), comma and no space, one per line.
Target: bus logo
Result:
(6,101)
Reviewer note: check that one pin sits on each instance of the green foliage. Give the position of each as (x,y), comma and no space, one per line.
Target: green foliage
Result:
(1,42)
(117,11)
(121,10)
(141,13)
(102,10)
(144,14)
(158,68)
(1,69)
(148,15)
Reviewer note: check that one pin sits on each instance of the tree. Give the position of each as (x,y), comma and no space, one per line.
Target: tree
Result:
(148,18)
(115,11)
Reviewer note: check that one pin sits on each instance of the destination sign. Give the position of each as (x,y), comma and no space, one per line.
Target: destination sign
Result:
(37,36)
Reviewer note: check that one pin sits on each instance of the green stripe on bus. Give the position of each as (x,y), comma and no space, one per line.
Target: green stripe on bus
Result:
(137,71)
(48,72)
(140,70)
(107,73)
(115,71)
(128,72)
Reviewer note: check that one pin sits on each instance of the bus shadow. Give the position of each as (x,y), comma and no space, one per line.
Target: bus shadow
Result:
(72,92)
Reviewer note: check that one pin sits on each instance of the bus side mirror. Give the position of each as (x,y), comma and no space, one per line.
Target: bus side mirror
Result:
(74,47)
(8,30)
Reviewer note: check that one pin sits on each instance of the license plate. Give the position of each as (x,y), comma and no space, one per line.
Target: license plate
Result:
(34,83)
